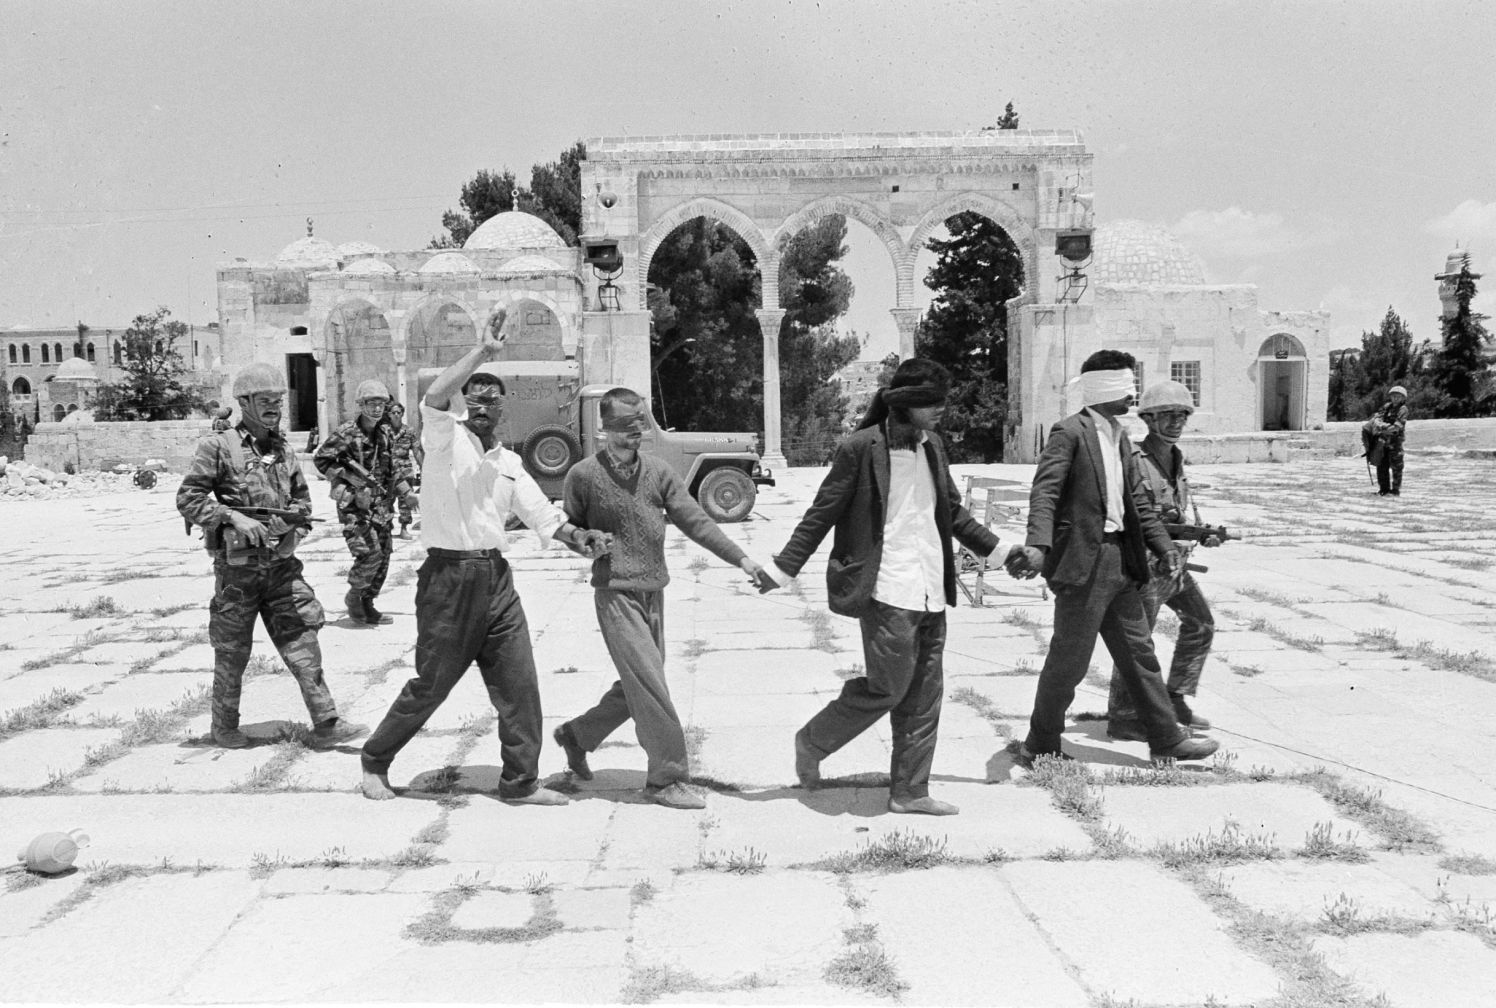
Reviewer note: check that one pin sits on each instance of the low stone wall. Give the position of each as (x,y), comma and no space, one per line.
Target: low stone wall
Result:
(1263,446)
(1422,435)
(89,445)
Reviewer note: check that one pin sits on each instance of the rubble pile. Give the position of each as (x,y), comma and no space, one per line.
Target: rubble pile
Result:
(21,479)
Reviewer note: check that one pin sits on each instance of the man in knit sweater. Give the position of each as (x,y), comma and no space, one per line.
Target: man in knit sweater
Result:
(627,495)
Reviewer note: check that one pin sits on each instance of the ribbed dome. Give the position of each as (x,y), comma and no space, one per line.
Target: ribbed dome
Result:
(1136,252)
(532,264)
(76,369)
(354,248)
(449,262)
(514,230)
(368,267)
(308,251)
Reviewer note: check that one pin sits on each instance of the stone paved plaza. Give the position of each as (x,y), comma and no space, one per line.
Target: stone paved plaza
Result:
(1340,850)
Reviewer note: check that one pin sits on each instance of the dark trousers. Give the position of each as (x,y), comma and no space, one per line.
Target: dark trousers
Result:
(1390,468)
(1191,647)
(904,652)
(633,627)
(467,611)
(1111,605)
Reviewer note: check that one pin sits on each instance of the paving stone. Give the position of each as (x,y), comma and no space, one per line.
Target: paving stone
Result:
(489,830)
(756,671)
(1287,812)
(306,881)
(506,873)
(603,907)
(1435,969)
(194,657)
(1127,957)
(367,932)
(174,767)
(111,957)
(132,693)
(480,972)
(495,910)
(30,760)
(141,829)
(667,932)
(22,909)
(1305,888)
(773,710)
(28,687)
(928,920)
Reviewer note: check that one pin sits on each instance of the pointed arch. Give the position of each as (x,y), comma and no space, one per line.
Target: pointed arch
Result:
(723,213)
(857,210)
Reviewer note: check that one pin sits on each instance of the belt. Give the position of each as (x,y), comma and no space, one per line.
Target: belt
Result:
(446,554)
(1113,537)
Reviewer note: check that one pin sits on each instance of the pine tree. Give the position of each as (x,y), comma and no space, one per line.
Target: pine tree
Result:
(1460,373)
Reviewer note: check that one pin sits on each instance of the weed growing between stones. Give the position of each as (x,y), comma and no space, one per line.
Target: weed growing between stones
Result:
(900,850)
(1468,864)
(1344,916)
(1111,842)
(1397,828)
(822,636)
(263,665)
(99,606)
(693,649)
(435,926)
(695,737)
(538,884)
(272,774)
(166,611)
(43,713)
(1470,663)
(1073,788)
(1164,773)
(567,670)
(868,968)
(697,565)
(18,881)
(1019,618)
(748,861)
(1320,844)
(91,639)
(985,707)
(1210,847)
(1245,671)
(642,892)
(1476,919)
(102,874)
(650,983)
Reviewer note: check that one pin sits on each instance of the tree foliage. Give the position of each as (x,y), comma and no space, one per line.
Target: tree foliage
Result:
(975,274)
(1359,380)
(1459,374)
(153,387)
(554,195)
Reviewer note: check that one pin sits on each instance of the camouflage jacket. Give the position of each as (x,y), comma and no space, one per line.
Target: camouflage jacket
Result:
(228,470)
(389,477)
(1392,422)
(407,451)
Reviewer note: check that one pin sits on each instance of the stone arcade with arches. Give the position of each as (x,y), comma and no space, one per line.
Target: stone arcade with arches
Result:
(335,315)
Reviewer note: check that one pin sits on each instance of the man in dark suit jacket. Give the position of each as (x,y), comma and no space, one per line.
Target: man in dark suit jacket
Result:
(1089,533)
(890,499)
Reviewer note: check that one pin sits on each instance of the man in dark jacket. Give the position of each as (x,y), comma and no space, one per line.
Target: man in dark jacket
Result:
(1089,532)
(890,499)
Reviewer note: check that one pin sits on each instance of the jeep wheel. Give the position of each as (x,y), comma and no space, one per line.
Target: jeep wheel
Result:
(726,494)
(551,451)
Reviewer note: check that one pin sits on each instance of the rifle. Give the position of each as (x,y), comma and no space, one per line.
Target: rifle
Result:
(237,549)
(1198,533)
(354,474)
(290,516)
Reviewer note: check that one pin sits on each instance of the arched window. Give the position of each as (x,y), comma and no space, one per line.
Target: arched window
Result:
(21,387)
(119,355)
(46,354)
(90,353)
(58,348)
(58,412)
(78,349)
(72,407)
(12,353)
(25,353)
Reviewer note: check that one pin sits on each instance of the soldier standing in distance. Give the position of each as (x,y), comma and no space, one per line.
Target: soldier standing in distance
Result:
(367,480)
(1388,425)
(250,465)
(408,454)
(1166,408)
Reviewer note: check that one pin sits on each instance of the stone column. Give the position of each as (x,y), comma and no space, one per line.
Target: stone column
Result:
(907,319)
(769,321)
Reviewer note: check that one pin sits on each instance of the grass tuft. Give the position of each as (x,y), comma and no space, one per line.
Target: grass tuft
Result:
(1468,864)
(41,713)
(896,851)
(1210,847)
(744,862)
(1320,844)
(866,968)
(99,606)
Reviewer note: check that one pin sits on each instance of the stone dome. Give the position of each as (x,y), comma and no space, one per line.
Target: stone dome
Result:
(527,264)
(513,230)
(308,251)
(449,262)
(354,248)
(76,369)
(1136,252)
(368,267)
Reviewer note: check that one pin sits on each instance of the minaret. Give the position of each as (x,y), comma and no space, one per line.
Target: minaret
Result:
(1454,263)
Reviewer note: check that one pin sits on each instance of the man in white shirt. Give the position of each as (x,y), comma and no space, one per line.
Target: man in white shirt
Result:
(466,606)
(890,499)
(1090,530)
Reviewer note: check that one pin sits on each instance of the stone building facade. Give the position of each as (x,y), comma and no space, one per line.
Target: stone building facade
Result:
(336,315)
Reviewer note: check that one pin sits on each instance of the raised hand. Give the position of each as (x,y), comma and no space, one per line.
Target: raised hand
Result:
(493,335)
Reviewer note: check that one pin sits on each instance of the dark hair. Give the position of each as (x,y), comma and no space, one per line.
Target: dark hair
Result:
(1110,360)
(615,397)
(395,406)
(483,378)
(919,371)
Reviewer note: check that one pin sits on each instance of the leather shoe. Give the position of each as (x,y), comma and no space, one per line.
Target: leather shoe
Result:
(1025,756)
(807,763)
(230,738)
(576,756)
(1185,716)
(674,796)
(1130,730)
(922,806)
(1186,749)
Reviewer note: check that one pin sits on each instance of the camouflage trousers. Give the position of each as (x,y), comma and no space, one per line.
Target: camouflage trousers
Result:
(1191,648)
(277,594)
(1390,468)
(370,544)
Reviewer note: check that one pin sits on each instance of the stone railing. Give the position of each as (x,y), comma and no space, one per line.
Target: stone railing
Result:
(84,445)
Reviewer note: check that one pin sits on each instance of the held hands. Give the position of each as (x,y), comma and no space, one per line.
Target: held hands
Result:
(1023,562)
(593,543)
(757,576)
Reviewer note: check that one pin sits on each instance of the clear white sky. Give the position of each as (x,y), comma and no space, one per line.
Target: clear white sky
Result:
(1331,152)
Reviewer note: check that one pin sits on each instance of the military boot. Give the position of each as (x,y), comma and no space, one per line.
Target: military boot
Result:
(355,603)
(374,616)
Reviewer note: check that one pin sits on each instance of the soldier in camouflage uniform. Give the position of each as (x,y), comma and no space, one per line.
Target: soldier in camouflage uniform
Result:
(407,453)
(1166,408)
(256,572)
(367,480)
(1389,425)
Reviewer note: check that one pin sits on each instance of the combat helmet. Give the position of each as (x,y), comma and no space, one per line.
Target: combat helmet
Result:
(258,378)
(1166,395)
(371,389)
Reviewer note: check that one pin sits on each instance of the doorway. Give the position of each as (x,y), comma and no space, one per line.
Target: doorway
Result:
(1282,378)
(301,382)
